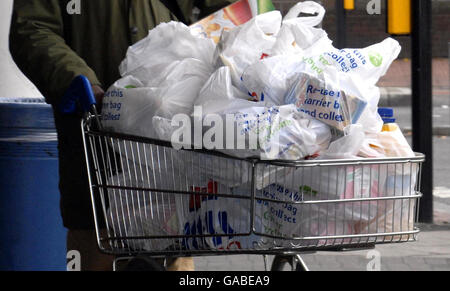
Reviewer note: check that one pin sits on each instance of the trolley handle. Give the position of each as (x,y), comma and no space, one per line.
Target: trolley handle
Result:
(78,97)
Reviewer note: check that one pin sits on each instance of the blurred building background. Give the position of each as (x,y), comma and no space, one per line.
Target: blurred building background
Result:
(364,29)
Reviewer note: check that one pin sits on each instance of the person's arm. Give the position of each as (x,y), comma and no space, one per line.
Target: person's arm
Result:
(39,48)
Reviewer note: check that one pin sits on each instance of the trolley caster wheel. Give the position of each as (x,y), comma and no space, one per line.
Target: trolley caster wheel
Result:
(142,263)
(289,263)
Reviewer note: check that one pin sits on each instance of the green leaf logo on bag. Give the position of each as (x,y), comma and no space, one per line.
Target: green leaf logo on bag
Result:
(376,59)
(308,190)
(130,87)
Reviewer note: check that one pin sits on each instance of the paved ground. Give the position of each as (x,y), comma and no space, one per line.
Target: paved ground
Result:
(396,92)
(399,74)
(430,253)
(432,250)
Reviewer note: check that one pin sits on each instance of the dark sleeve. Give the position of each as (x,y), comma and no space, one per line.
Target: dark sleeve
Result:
(39,48)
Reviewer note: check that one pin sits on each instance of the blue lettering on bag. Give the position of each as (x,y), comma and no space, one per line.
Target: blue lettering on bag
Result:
(198,228)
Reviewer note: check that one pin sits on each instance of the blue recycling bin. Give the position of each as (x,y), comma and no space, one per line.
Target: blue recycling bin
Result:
(32,236)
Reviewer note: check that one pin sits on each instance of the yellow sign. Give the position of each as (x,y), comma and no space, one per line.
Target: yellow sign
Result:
(399,17)
(349,4)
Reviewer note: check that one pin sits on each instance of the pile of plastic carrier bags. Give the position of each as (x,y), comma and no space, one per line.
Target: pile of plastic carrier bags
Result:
(279,87)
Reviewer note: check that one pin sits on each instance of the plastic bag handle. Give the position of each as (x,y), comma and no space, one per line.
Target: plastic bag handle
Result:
(308,7)
(78,96)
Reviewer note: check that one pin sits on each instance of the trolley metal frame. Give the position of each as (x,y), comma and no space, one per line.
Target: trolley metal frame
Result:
(97,145)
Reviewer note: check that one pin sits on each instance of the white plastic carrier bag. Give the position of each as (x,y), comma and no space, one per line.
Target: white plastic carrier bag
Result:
(245,44)
(183,63)
(165,44)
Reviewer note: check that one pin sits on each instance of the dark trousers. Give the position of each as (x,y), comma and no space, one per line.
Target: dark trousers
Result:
(76,205)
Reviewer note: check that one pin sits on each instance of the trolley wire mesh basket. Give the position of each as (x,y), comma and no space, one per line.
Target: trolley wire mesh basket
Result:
(161,201)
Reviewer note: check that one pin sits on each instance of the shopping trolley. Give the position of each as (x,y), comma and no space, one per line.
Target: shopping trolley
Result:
(161,202)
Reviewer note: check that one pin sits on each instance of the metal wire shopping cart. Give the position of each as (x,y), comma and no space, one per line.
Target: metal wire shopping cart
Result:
(160,202)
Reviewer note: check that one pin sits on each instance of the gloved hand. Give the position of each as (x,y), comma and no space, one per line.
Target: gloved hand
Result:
(99,93)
